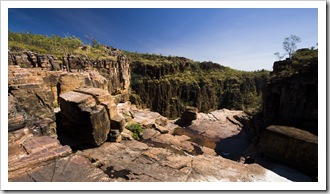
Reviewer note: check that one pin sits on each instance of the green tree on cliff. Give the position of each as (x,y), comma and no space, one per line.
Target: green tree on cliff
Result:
(289,46)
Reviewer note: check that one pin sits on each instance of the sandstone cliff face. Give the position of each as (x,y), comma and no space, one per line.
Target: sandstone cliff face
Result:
(115,68)
(291,94)
(33,95)
(168,87)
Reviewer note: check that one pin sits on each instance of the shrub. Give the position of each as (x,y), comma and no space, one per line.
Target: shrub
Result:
(136,129)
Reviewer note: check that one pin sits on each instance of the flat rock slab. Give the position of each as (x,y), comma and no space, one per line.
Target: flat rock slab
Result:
(148,118)
(27,152)
(73,168)
(136,161)
(218,124)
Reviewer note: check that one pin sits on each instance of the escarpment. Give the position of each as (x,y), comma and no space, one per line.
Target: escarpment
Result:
(114,66)
(169,84)
(290,108)
(69,118)
(291,95)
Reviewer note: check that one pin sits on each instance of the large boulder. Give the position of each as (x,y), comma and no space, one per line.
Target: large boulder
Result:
(294,147)
(87,114)
(188,116)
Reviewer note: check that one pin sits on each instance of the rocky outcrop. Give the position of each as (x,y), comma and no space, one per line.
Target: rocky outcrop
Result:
(87,114)
(116,68)
(137,162)
(188,116)
(291,94)
(33,95)
(30,101)
(27,151)
(294,147)
(73,168)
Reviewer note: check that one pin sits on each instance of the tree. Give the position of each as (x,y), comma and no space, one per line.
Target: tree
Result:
(289,46)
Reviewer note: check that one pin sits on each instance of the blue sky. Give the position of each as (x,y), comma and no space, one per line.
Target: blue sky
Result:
(243,39)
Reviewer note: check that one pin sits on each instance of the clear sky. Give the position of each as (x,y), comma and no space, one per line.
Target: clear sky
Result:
(244,39)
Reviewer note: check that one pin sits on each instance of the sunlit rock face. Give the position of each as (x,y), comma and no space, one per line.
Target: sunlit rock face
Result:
(116,68)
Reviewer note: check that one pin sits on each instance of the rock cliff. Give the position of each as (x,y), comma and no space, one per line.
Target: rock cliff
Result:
(116,67)
(291,94)
(290,107)
(33,95)
(169,84)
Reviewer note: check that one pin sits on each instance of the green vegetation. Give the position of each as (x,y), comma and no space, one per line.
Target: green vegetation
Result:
(300,60)
(58,46)
(289,46)
(167,84)
(136,129)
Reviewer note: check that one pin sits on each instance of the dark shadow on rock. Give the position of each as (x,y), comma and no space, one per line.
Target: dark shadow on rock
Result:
(233,147)
(65,139)
(117,174)
(187,117)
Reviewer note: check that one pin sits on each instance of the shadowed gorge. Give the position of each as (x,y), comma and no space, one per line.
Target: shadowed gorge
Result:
(99,114)
(169,84)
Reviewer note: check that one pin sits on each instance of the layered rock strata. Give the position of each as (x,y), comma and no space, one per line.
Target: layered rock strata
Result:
(294,147)
(27,151)
(88,114)
(116,68)
(33,95)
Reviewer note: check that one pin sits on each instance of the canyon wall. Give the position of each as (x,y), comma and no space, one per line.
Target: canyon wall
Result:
(115,68)
(290,109)
(36,81)
(169,84)
(291,94)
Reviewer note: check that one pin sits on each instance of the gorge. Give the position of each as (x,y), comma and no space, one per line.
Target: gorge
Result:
(69,118)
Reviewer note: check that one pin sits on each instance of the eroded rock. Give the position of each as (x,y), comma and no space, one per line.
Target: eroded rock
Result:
(294,147)
(85,114)
(26,152)
(188,116)
(135,161)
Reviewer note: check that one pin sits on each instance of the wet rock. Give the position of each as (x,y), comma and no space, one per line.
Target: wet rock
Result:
(294,147)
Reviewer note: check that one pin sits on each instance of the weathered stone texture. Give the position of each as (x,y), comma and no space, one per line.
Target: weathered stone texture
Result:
(294,147)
